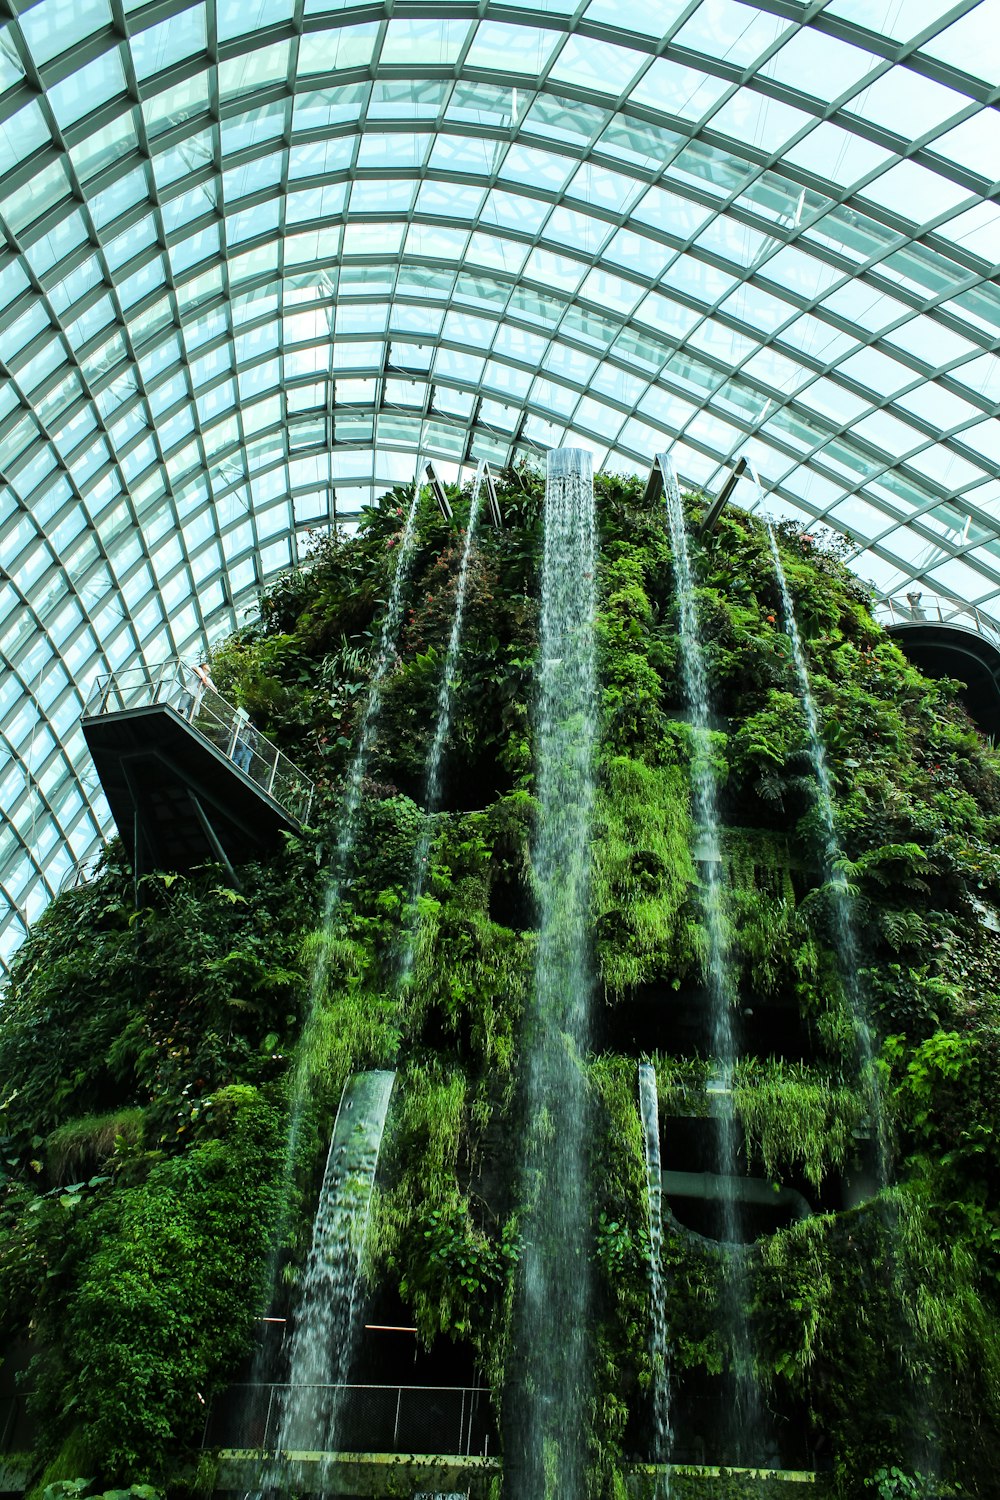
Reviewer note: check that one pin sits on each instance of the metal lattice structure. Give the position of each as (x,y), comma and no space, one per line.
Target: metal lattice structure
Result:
(259,255)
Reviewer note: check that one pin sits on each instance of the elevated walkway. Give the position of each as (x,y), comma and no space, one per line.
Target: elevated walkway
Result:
(187,776)
(443,1476)
(375,1419)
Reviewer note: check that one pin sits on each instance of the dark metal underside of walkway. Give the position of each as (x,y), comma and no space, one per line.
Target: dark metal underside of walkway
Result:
(177,798)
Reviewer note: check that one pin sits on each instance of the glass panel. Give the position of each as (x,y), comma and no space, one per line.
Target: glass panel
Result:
(21,134)
(423,42)
(819,65)
(84,91)
(54,26)
(512,49)
(907,103)
(160,46)
(173,105)
(599,66)
(237,18)
(329,51)
(252,70)
(966,44)
(974,144)
(677,90)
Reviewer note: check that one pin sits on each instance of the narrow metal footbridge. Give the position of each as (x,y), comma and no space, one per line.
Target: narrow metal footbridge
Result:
(187,775)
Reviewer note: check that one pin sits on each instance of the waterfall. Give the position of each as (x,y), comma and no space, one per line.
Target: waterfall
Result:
(840,896)
(659,1341)
(923,1442)
(326,1326)
(347,833)
(545,1424)
(350,803)
(432,796)
(745,1412)
(435,758)
(351,799)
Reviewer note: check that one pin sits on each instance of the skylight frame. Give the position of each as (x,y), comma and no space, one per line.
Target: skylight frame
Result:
(137,353)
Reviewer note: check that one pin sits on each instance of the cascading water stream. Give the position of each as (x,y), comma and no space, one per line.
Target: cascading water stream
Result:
(326,1326)
(435,758)
(351,800)
(659,1339)
(350,803)
(346,837)
(836,882)
(924,1443)
(745,1414)
(545,1421)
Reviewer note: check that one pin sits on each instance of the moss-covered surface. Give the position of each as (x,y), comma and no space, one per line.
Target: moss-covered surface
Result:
(712,1482)
(145,1056)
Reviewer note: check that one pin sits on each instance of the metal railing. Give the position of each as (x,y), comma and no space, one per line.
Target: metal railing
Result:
(79,874)
(936,609)
(193,695)
(453,1420)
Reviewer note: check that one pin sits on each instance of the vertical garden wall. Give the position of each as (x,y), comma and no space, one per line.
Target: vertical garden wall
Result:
(149,1215)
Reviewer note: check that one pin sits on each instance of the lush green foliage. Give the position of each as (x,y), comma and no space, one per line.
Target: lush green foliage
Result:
(148,1057)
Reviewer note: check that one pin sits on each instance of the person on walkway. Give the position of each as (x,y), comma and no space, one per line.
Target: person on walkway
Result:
(191,699)
(244,740)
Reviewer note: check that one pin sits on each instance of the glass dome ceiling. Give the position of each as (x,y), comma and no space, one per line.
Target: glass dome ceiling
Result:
(257,255)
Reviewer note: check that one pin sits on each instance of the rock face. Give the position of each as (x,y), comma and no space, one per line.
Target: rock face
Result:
(153,1209)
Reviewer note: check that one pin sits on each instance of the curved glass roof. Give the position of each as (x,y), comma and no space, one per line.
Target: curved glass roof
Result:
(257,255)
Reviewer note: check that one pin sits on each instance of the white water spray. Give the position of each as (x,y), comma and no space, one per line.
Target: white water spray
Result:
(347,822)
(833,875)
(346,837)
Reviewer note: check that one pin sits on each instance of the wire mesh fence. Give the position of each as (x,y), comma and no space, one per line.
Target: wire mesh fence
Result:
(453,1420)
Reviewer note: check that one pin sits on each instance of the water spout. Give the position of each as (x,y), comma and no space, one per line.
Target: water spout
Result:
(347,827)
(923,1439)
(435,758)
(347,821)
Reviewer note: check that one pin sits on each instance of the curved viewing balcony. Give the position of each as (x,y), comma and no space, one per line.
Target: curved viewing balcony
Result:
(945,637)
(935,609)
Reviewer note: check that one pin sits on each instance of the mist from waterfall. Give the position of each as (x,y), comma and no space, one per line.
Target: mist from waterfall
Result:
(924,1443)
(326,1325)
(347,819)
(347,830)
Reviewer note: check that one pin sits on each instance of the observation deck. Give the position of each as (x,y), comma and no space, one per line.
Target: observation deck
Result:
(946,637)
(187,776)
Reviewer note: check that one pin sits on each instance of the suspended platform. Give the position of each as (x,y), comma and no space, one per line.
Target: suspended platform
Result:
(187,776)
